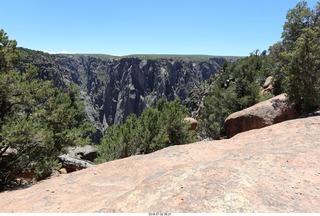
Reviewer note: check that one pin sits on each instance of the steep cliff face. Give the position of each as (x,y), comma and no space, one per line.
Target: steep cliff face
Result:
(134,84)
(113,88)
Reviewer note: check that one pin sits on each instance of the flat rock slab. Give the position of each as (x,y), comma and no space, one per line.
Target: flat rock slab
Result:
(273,169)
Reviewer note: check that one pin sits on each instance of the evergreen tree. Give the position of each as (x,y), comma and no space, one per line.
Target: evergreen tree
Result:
(37,120)
(236,87)
(8,54)
(156,128)
(301,56)
(217,106)
(298,18)
(303,71)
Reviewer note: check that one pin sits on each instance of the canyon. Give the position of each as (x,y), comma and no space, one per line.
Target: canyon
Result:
(114,87)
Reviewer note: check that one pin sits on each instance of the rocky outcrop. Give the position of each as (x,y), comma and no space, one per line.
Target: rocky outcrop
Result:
(71,164)
(113,88)
(272,111)
(268,86)
(78,158)
(86,152)
(273,169)
(269,81)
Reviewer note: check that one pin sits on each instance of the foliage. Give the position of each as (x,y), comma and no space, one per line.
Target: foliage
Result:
(36,120)
(236,87)
(156,128)
(217,106)
(298,19)
(8,53)
(293,62)
(301,56)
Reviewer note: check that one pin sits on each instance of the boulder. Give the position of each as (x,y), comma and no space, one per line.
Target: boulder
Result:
(56,173)
(272,111)
(63,171)
(193,123)
(268,82)
(87,152)
(268,86)
(73,164)
(267,90)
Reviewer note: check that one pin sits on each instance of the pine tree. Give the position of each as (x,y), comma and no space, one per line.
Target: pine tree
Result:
(156,128)
(301,56)
(37,120)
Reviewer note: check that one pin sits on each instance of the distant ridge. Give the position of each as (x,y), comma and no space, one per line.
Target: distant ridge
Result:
(193,57)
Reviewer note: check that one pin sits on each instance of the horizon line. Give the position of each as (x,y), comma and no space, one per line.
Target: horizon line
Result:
(133,54)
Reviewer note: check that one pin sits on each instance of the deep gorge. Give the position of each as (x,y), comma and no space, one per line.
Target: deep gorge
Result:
(113,88)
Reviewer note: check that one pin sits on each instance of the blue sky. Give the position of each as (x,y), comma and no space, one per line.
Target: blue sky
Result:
(121,27)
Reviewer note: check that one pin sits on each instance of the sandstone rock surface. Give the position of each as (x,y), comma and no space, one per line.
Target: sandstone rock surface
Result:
(273,169)
(272,111)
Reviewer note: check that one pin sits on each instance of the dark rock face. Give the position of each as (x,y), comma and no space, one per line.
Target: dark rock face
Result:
(266,113)
(134,84)
(114,88)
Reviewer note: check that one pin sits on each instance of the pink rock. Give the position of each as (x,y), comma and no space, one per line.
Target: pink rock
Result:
(266,113)
(274,169)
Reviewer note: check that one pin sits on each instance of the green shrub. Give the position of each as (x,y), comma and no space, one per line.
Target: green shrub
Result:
(236,87)
(156,128)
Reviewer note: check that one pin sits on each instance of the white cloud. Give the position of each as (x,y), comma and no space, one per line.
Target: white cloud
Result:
(61,52)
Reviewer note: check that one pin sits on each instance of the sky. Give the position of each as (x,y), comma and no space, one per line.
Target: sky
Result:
(123,27)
